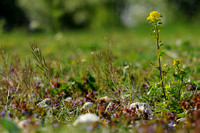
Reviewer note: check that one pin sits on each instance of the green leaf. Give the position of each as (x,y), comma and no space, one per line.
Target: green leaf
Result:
(161,43)
(161,53)
(150,89)
(153,63)
(183,115)
(161,110)
(9,126)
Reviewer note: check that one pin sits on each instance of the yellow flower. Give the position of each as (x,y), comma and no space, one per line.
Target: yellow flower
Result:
(182,71)
(165,65)
(154,17)
(167,87)
(176,62)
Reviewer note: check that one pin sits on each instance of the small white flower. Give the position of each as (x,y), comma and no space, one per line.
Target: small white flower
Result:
(36,50)
(126,67)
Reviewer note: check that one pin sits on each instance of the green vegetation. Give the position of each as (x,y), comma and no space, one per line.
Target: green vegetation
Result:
(88,65)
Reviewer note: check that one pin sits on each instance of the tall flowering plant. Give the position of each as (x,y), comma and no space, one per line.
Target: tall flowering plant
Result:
(155,20)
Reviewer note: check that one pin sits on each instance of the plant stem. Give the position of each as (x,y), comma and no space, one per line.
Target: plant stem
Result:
(159,63)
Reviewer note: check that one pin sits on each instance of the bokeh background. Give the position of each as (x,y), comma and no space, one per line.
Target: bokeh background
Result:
(71,29)
(57,15)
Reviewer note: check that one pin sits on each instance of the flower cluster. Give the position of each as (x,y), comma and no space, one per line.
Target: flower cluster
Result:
(176,62)
(154,17)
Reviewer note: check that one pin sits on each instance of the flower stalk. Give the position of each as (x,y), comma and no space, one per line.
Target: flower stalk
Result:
(159,62)
(154,19)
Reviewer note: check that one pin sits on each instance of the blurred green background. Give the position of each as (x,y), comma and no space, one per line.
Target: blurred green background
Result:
(71,28)
(57,15)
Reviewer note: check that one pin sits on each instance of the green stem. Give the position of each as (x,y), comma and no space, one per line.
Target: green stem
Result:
(179,84)
(159,63)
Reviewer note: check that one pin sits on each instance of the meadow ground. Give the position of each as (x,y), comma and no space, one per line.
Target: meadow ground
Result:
(77,62)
